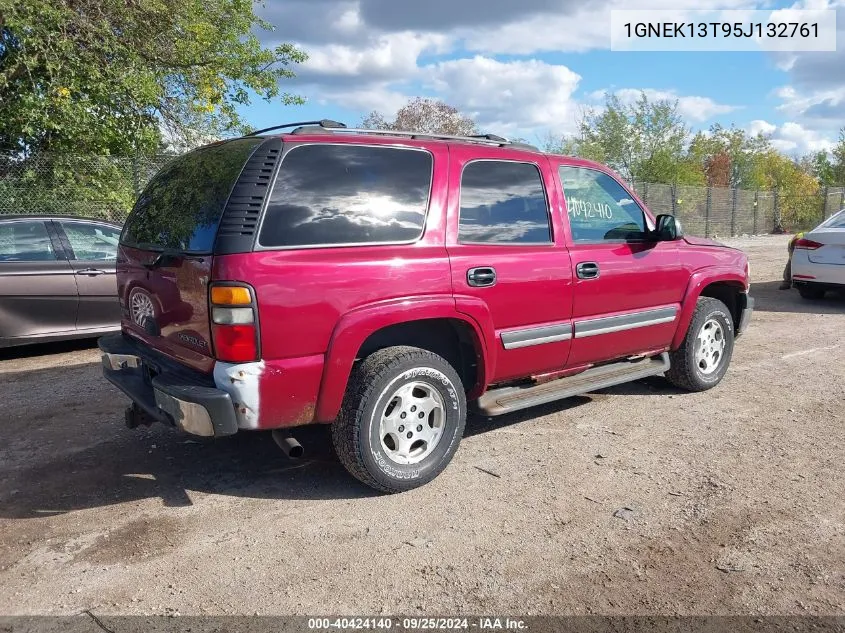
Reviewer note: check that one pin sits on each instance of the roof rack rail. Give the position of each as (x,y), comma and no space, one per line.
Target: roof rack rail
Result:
(327,125)
(324,123)
(483,139)
(490,137)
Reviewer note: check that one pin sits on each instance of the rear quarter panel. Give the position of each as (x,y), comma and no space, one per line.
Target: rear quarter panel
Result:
(305,297)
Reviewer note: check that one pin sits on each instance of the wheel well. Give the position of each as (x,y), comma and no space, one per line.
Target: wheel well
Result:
(452,339)
(728,293)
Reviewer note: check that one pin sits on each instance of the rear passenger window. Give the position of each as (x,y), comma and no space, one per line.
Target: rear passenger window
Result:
(25,242)
(348,194)
(599,207)
(503,202)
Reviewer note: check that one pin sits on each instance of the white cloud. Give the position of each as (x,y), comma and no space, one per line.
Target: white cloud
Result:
(365,99)
(693,108)
(815,96)
(580,27)
(387,57)
(791,137)
(371,54)
(820,109)
(508,97)
(761,127)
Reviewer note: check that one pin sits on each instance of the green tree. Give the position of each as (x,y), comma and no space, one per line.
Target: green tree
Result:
(429,116)
(799,204)
(821,167)
(565,145)
(644,141)
(732,148)
(838,165)
(116,76)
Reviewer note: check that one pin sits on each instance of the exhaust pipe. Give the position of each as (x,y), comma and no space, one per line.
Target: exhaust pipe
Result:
(291,448)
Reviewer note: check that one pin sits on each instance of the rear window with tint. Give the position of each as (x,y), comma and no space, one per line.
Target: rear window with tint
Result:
(182,205)
(348,194)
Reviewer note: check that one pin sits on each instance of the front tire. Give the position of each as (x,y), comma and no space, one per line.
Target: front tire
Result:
(703,358)
(402,419)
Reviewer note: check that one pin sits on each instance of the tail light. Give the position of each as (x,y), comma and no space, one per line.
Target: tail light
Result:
(234,323)
(808,245)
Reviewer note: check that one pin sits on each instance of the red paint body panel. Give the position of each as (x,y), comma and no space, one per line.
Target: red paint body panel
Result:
(288,391)
(633,277)
(317,306)
(697,283)
(533,282)
(354,328)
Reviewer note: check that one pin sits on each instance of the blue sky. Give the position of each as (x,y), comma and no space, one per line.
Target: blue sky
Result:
(530,67)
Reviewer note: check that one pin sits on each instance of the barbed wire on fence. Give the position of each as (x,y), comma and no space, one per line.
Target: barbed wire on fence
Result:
(106,187)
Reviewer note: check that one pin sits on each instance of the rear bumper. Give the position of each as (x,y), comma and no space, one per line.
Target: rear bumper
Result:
(806,272)
(745,315)
(167,391)
(821,285)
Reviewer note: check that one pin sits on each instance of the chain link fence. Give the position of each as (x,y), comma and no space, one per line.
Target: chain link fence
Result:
(106,187)
(103,187)
(722,212)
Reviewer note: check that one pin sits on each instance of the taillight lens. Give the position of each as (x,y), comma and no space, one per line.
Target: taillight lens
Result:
(808,245)
(235,343)
(234,323)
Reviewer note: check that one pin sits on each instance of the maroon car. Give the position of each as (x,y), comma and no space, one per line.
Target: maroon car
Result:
(383,281)
(57,278)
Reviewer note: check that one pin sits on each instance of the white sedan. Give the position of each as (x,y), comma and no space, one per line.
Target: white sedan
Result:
(818,262)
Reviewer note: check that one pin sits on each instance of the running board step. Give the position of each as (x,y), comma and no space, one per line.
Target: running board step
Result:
(507,399)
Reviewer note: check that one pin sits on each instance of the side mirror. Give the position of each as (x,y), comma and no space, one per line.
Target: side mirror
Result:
(668,228)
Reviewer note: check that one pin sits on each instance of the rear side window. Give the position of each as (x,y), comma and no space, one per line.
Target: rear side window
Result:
(347,194)
(836,221)
(25,242)
(599,207)
(503,203)
(182,205)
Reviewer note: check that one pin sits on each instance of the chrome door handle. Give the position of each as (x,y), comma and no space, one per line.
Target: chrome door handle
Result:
(481,277)
(587,270)
(91,272)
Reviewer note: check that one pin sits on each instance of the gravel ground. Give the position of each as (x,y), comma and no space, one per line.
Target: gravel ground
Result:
(638,499)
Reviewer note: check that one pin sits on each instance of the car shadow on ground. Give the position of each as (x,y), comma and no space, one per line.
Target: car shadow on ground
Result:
(769,298)
(163,463)
(46,349)
(120,465)
(78,454)
(478,424)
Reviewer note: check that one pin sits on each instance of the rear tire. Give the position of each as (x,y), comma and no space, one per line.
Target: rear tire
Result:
(703,358)
(402,419)
(811,293)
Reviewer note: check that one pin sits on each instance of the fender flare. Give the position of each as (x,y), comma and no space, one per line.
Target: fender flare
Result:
(697,283)
(353,329)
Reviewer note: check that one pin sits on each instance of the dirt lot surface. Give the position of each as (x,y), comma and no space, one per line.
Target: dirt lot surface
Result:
(637,499)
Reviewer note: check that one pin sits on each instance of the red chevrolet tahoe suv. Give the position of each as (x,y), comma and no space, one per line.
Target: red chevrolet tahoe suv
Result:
(384,282)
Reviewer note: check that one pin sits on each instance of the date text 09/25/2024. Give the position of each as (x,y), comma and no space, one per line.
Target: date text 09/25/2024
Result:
(417,624)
